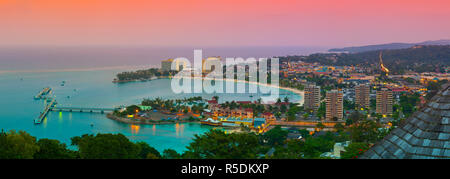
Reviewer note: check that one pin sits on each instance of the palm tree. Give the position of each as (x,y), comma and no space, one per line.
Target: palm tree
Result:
(286,99)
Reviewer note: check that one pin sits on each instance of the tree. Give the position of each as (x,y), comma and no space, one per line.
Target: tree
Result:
(215,144)
(322,110)
(365,131)
(408,103)
(151,156)
(292,150)
(132,109)
(354,117)
(53,149)
(373,103)
(305,116)
(171,154)
(286,99)
(354,150)
(17,145)
(275,136)
(277,115)
(283,108)
(106,146)
(348,105)
(339,127)
(314,146)
(146,149)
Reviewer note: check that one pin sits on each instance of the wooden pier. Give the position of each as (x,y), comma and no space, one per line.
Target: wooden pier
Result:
(43,114)
(43,94)
(51,106)
(82,109)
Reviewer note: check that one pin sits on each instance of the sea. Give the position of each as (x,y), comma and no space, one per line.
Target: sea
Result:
(88,73)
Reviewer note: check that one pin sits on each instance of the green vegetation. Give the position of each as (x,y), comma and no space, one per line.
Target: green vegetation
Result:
(53,149)
(348,105)
(276,136)
(354,150)
(216,144)
(408,103)
(179,105)
(101,146)
(420,59)
(21,145)
(322,110)
(367,131)
(17,145)
(171,154)
(434,87)
(141,74)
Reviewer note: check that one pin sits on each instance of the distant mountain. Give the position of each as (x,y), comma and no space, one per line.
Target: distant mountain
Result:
(390,46)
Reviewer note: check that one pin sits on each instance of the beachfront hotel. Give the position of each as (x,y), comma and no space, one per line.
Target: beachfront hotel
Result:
(334,105)
(166,65)
(211,60)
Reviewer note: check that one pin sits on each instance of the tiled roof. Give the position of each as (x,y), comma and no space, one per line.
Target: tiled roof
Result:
(425,135)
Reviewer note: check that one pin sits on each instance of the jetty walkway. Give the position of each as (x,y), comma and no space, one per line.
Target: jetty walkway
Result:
(52,106)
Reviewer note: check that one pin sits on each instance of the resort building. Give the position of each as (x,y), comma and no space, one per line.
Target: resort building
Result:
(247,113)
(210,60)
(384,102)
(334,105)
(312,98)
(362,96)
(166,65)
(237,121)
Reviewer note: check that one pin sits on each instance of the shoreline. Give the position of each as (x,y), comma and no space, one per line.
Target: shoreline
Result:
(131,121)
(296,91)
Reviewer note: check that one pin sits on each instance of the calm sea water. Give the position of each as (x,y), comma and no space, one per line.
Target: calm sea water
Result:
(43,58)
(18,109)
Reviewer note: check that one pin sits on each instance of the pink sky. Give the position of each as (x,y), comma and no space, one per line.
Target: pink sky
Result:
(222,22)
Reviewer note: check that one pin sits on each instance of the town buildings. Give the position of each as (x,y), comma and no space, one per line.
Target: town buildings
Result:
(384,101)
(312,98)
(166,65)
(334,105)
(362,96)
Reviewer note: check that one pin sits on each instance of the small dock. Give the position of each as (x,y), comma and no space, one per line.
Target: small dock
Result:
(43,94)
(43,114)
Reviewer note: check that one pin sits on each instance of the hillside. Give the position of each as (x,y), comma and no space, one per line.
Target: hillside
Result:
(417,58)
(390,46)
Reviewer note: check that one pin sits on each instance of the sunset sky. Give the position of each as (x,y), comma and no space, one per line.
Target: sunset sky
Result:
(222,22)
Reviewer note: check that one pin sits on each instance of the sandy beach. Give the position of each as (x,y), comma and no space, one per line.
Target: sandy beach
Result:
(296,91)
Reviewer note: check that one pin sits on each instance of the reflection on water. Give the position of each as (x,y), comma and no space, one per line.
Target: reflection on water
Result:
(60,118)
(135,129)
(179,129)
(45,122)
(93,89)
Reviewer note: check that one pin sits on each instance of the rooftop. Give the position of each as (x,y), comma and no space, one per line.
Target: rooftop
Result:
(425,135)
